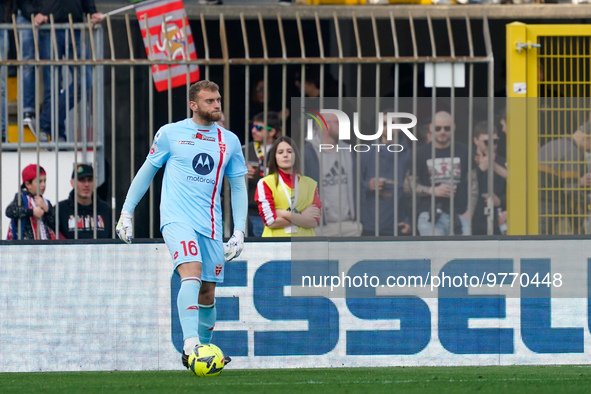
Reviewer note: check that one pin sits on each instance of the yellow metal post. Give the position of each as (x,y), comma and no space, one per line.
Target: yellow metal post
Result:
(532,134)
(516,130)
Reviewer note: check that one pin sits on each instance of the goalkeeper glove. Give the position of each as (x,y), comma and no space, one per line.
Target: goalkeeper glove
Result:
(234,246)
(124,227)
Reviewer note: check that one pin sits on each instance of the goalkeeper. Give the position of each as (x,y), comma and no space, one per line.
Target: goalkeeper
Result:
(197,153)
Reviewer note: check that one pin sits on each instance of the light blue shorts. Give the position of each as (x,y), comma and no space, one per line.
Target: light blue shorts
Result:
(187,245)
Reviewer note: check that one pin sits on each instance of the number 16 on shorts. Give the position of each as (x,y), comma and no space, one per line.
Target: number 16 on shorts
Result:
(182,243)
(190,248)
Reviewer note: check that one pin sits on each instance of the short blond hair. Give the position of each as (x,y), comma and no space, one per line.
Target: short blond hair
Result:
(202,85)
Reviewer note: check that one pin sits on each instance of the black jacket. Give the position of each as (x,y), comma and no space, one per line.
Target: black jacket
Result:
(7,7)
(59,8)
(67,222)
(21,212)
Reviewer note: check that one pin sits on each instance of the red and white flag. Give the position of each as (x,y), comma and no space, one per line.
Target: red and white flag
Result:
(165,37)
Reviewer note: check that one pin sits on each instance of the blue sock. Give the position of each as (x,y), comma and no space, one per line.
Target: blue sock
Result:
(188,307)
(207,318)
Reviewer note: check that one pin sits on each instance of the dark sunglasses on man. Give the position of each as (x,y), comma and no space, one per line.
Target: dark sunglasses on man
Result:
(259,127)
(439,128)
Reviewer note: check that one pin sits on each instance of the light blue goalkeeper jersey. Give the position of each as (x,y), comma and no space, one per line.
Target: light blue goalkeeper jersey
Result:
(197,158)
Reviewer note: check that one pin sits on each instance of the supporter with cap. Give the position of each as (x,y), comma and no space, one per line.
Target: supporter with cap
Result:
(33,216)
(85,221)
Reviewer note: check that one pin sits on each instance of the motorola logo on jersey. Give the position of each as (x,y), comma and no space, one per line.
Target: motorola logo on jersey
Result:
(203,164)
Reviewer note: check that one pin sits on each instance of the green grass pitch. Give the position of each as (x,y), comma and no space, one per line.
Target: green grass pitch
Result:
(511,379)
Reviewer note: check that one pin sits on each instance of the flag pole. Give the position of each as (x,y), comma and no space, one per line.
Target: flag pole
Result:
(120,10)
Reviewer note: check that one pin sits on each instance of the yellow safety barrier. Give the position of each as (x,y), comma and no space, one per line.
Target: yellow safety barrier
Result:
(548,89)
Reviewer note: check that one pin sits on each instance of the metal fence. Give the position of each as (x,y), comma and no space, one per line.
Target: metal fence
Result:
(383,54)
(548,75)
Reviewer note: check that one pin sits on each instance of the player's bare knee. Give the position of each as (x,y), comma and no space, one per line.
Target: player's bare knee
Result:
(188,269)
(207,293)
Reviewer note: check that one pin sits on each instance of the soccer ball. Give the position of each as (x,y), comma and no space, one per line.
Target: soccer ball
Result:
(206,360)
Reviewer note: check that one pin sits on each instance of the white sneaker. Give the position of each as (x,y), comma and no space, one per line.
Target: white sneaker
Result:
(29,120)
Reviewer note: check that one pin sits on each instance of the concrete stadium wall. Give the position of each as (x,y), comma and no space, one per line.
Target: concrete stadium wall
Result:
(68,307)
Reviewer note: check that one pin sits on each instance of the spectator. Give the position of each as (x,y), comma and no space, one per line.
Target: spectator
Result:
(257,103)
(288,202)
(263,136)
(6,9)
(33,216)
(424,134)
(481,160)
(312,83)
(332,169)
(257,99)
(564,183)
(501,125)
(389,188)
(442,176)
(26,10)
(86,221)
(60,9)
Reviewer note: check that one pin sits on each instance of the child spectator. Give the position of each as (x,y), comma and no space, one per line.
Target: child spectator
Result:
(34,216)
(288,202)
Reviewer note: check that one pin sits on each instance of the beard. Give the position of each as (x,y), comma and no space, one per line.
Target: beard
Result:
(208,116)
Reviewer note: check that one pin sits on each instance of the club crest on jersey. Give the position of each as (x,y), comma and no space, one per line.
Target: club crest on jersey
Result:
(203,164)
(218,269)
(200,136)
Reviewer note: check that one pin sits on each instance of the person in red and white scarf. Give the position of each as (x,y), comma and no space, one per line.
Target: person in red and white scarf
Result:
(33,216)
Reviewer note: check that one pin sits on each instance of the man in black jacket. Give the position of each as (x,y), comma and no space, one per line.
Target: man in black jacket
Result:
(85,221)
(442,177)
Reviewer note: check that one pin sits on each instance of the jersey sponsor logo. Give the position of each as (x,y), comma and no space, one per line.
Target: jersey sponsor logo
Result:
(195,307)
(218,269)
(155,140)
(153,149)
(203,164)
(222,148)
(176,254)
(186,143)
(200,136)
(200,179)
